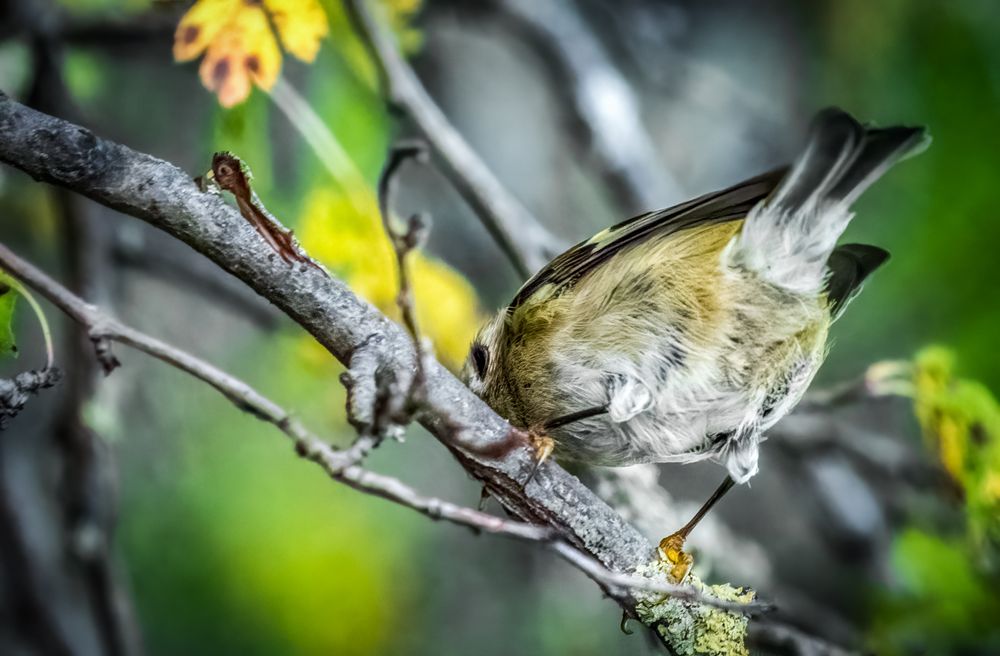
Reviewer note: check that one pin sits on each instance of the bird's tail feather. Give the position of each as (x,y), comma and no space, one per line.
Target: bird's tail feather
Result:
(788,237)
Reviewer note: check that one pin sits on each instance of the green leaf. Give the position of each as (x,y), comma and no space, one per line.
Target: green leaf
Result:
(8,297)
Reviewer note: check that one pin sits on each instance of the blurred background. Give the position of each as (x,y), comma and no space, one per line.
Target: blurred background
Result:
(142,508)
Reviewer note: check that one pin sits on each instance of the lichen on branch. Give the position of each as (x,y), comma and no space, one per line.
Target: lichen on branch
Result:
(691,628)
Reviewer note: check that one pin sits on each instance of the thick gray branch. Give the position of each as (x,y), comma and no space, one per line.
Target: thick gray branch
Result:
(159,193)
(340,465)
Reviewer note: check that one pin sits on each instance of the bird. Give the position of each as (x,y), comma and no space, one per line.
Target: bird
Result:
(684,334)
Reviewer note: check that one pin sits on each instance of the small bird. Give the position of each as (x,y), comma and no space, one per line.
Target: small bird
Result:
(685,333)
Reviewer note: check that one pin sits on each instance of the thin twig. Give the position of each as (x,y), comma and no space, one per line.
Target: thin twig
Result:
(630,582)
(159,193)
(403,243)
(337,464)
(880,380)
(526,243)
(323,142)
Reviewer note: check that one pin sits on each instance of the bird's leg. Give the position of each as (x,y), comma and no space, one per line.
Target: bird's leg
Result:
(544,445)
(671,548)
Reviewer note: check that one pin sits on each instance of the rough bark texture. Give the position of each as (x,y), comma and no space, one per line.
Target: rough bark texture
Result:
(70,156)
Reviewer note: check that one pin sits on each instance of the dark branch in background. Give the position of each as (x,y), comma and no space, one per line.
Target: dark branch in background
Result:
(15,392)
(523,239)
(779,638)
(163,258)
(143,32)
(68,472)
(600,106)
(161,194)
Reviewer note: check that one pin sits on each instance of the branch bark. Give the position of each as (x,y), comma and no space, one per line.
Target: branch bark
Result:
(159,193)
(342,465)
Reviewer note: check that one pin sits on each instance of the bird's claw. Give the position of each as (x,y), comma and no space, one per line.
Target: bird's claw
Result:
(543,446)
(671,551)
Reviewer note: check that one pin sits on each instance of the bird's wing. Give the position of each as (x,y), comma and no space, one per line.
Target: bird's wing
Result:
(718,207)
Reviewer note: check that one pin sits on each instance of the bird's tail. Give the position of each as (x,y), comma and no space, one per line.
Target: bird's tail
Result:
(788,237)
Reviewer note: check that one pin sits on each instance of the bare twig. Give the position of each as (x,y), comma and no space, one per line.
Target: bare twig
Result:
(323,142)
(844,393)
(526,243)
(600,106)
(339,465)
(631,582)
(80,512)
(880,380)
(403,243)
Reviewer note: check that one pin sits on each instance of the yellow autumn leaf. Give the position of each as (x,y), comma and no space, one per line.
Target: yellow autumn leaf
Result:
(200,25)
(240,46)
(244,51)
(301,24)
(353,244)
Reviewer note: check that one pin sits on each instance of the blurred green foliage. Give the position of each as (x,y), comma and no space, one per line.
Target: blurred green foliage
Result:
(944,598)
(934,63)
(940,601)
(236,546)
(104,7)
(960,419)
(8,299)
(937,64)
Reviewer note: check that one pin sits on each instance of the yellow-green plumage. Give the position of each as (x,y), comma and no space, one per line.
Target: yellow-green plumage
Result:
(697,327)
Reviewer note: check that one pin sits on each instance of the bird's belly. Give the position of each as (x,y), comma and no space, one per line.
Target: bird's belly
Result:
(686,415)
(694,409)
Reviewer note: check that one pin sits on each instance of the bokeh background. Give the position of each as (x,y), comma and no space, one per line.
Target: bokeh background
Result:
(226,543)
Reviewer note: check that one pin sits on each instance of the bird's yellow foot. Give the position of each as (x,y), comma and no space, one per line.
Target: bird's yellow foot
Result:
(671,551)
(543,446)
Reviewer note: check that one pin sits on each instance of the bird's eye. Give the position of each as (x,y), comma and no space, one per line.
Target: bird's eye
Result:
(480,358)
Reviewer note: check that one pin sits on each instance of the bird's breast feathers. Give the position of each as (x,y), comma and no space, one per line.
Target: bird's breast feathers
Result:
(681,347)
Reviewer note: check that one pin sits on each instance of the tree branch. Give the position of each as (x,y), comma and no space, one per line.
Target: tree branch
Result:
(599,104)
(16,391)
(339,465)
(527,244)
(164,196)
(161,194)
